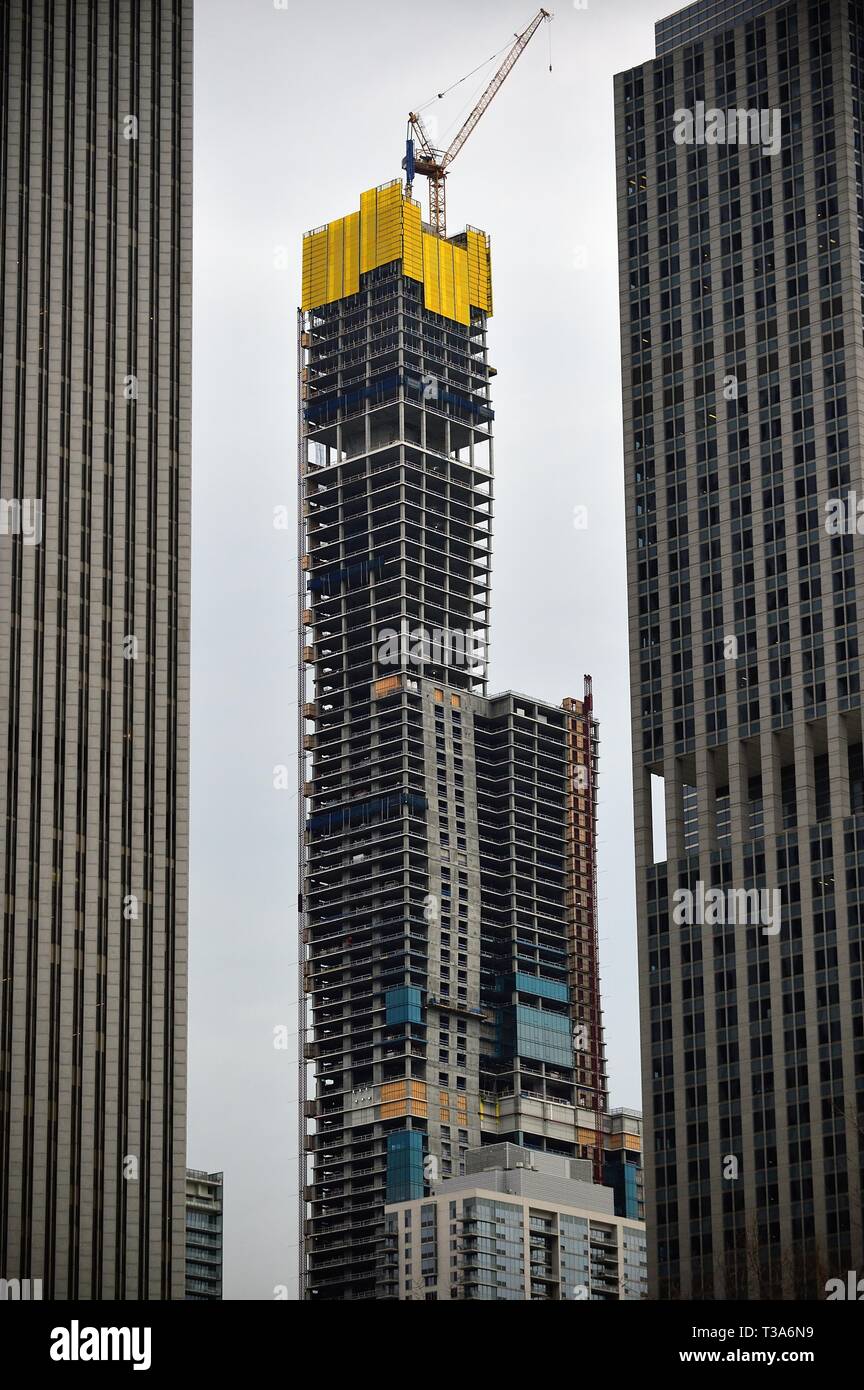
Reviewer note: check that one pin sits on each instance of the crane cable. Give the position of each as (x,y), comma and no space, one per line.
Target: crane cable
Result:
(459,119)
(447,90)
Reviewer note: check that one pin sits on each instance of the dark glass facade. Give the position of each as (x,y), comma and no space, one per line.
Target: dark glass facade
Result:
(742,349)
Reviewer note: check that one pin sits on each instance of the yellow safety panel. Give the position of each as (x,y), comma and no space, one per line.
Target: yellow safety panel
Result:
(331,262)
(335,238)
(462,305)
(412,234)
(368,230)
(351,255)
(388,228)
(448,284)
(445,279)
(479,271)
(315,269)
(389,224)
(431,273)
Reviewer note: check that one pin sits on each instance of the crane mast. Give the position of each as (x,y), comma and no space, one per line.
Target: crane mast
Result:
(421,157)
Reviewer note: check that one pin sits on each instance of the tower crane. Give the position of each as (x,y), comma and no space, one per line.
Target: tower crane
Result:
(421,157)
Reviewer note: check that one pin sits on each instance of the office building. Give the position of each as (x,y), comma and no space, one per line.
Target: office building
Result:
(95,301)
(741,242)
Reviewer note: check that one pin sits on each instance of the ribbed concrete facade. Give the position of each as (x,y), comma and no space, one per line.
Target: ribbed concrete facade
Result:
(743,414)
(95,238)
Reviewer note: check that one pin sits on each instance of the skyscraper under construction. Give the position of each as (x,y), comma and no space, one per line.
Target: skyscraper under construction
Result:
(450,991)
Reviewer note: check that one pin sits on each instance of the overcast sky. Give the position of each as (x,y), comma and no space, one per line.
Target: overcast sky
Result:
(297,111)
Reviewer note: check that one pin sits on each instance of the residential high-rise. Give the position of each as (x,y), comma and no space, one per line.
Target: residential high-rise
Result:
(741,243)
(517,1227)
(204,1206)
(95,302)
(450,990)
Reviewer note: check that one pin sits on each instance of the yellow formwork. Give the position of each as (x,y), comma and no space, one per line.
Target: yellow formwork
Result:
(479,270)
(351,254)
(461,296)
(335,242)
(368,230)
(447,280)
(412,241)
(431,273)
(331,262)
(388,228)
(390,202)
(315,269)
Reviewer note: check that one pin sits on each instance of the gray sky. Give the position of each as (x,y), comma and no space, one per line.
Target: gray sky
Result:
(297,112)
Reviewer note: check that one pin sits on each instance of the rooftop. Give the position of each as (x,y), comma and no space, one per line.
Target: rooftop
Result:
(705,17)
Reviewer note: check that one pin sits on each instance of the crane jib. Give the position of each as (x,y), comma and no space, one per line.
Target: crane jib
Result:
(434,163)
